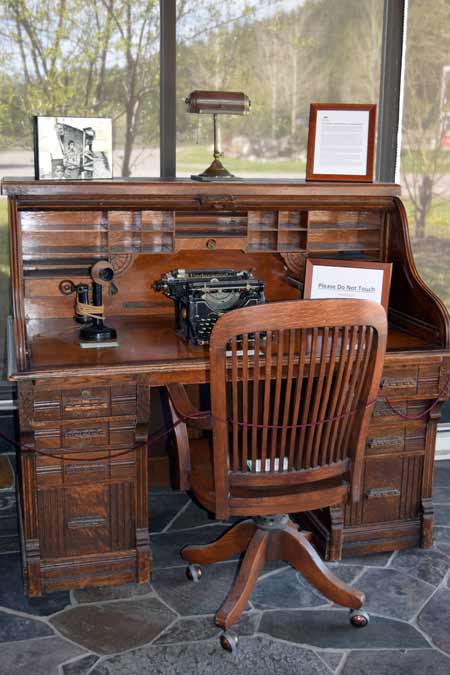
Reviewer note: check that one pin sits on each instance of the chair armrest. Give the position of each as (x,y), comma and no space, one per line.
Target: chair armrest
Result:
(186,409)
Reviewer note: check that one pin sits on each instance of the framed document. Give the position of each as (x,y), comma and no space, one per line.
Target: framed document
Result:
(340,279)
(341,142)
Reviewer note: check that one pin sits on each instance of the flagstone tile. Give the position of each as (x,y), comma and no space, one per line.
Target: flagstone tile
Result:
(426,564)
(37,657)
(12,594)
(331,629)
(257,655)
(115,626)
(373,560)
(441,539)
(393,593)
(333,659)
(105,593)
(441,495)
(193,516)
(434,619)
(442,473)
(442,515)
(163,507)
(80,666)
(285,589)
(396,662)
(191,598)
(204,628)
(14,627)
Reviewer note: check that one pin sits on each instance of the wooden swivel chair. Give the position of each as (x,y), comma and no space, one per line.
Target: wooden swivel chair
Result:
(292,385)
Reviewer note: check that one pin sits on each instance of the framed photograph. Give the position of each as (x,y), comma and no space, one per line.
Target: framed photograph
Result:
(328,278)
(341,142)
(72,148)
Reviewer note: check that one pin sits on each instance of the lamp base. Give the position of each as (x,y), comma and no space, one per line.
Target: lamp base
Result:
(215,171)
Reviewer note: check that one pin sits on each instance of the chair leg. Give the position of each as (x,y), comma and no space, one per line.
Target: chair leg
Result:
(299,553)
(236,600)
(183,463)
(234,541)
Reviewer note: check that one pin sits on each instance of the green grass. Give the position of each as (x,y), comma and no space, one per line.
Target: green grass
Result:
(438,220)
(432,254)
(194,159)
(411,159)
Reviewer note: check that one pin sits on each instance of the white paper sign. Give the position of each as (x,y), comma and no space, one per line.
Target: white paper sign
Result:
(341,142)
(346,282)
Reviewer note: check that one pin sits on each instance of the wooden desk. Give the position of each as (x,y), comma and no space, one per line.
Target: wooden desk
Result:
(85,522)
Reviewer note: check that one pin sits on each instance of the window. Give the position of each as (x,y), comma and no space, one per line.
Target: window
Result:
(425,156)
(284,55)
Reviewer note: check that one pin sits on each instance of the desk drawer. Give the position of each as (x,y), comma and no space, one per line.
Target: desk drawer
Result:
(406,436)
(90,433)
(383,413)
(93,518)
(84,402)
(81,468)
(391,492)
(412,380)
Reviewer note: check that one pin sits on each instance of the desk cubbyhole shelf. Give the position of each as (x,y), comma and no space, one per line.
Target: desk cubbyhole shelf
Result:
(277,230)
(97,233)
(158,231)
(262,231)
(292,230)
(359,233)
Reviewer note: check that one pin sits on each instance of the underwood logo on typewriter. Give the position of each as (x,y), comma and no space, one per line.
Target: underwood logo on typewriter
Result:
(201,296)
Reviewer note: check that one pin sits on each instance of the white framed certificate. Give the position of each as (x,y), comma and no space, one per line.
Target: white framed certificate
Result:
(341,142)
(341,279)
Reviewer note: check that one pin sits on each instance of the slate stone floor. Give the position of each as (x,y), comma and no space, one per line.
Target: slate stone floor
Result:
(166,627)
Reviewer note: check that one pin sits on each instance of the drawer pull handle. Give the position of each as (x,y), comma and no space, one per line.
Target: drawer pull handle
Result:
(211,243)
(85,405)
(80,468)
(397,382)
(389,442)
(376,493)
(86,521)
(84,433)
(386,411)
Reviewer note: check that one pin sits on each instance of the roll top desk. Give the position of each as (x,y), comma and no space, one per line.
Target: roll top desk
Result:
(84,501)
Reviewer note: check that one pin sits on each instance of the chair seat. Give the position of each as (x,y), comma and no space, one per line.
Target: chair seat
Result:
(262,501)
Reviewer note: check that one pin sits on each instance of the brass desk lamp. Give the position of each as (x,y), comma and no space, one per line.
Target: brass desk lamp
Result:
(217,103)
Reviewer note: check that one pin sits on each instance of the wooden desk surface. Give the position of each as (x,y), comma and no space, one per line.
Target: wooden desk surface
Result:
(146,345)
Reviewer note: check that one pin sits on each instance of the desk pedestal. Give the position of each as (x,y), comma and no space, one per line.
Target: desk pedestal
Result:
(395,510)
(84,496)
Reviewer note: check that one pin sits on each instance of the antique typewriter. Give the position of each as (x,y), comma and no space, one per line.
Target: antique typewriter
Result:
(201,296)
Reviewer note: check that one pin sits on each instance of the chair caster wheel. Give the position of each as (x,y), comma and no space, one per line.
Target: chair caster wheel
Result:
(194,573)
(229,641)
(359,618)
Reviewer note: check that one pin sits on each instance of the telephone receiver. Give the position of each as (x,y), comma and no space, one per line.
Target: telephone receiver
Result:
(91,312)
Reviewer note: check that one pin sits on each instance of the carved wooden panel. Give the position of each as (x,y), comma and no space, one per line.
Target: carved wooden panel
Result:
(51,517)
(382,489)
(87,527)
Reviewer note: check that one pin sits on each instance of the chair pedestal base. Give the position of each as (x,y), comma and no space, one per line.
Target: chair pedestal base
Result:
(266,539)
